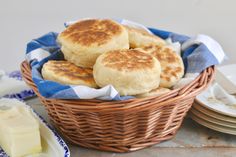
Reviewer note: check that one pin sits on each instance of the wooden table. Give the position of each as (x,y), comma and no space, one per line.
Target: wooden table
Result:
(192,140)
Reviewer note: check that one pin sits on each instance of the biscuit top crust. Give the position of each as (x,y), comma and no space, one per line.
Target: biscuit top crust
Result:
(92,31)
(144,33)
(128,60)
(69,70)
(171,62)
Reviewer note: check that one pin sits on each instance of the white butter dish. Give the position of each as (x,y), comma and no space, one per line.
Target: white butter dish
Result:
(52,143)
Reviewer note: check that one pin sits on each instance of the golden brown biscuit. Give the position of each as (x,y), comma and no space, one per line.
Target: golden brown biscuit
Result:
(130,71)
(140,38)
(172,67)
(65,72)
(83,41)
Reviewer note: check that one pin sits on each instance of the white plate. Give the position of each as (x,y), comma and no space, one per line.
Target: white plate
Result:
(213,114)
(226,76)
(53,145)
(213,126)
(13,86)
(206,100)
(212,120)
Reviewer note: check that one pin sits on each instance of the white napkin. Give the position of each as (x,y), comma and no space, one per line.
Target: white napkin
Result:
(219,94)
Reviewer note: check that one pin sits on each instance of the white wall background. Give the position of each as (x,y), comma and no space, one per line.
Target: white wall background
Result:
(22,20)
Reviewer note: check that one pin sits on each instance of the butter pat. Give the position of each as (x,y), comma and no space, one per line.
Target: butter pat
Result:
(19,132)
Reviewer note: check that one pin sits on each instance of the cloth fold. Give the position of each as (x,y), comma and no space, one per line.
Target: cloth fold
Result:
(220,95)
(198,53)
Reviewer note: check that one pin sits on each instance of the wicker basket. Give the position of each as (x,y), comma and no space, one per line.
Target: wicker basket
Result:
(121,126)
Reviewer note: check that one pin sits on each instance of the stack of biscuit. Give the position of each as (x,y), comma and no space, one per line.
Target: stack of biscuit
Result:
(101,52)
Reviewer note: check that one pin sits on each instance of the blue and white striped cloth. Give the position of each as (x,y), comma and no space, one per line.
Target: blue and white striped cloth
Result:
(198,53)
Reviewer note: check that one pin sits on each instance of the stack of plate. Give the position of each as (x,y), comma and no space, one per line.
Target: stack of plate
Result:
(214,113)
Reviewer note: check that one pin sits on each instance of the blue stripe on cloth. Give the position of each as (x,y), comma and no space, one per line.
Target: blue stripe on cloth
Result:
(185,55)
(178,37)
(200,59)
(48,39)
(32,46)
(47,42)
(161,33)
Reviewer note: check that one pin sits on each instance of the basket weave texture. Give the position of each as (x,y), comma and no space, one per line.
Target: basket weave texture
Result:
(121,126)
